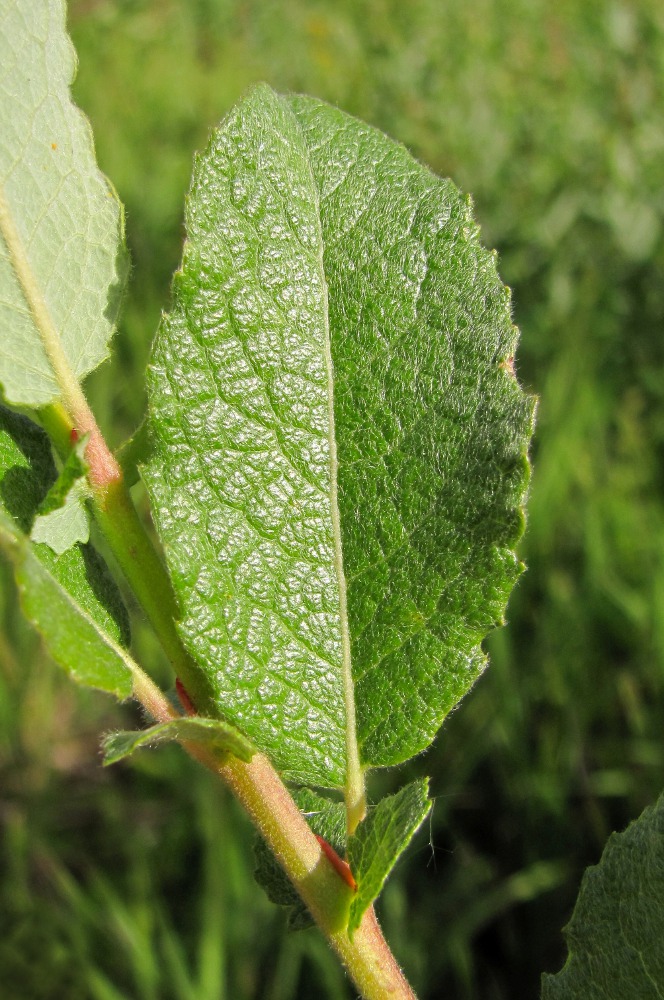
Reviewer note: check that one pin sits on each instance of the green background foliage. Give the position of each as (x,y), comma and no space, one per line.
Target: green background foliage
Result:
(551,117)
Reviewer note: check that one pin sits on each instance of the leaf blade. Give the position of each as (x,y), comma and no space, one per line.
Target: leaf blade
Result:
(423,590)
(432,428)
(61,255)
(615,935)
(240,351)
(380,839)
(213,732)
(74,639)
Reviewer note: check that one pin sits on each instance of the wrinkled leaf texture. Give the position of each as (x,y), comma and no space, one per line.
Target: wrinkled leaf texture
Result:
(340,442)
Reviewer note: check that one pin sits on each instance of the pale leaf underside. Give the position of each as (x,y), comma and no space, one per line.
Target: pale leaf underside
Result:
(61,263)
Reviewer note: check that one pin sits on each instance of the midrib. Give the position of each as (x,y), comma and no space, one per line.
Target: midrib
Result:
(41,317)
(354,791)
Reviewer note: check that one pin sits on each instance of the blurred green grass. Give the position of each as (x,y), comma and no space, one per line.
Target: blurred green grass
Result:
(136,882)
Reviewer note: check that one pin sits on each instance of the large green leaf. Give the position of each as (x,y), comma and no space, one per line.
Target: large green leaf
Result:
(339,440)
(61,263)
(616,934)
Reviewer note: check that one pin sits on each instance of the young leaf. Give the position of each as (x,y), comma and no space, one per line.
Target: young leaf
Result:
(73,638)
(62,519)
(27,474)
(61,257)
(375,846)
(339,440)
(372,851)
(616,934)
(213,732)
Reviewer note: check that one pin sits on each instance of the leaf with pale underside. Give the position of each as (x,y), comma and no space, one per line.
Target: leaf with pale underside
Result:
(616,935)
(214,733)
(340,442)
(61,254)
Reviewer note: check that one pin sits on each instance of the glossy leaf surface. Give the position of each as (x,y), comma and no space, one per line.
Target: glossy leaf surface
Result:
(339,439)
(241,478)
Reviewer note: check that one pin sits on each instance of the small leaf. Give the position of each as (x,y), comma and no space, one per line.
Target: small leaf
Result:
(73,638)
(616,934)
(61,255)
(64,526)
(27,473)
(374,848)
(62,519)
(216,734)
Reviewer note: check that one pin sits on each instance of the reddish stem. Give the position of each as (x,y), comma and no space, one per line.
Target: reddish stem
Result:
(340,866)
